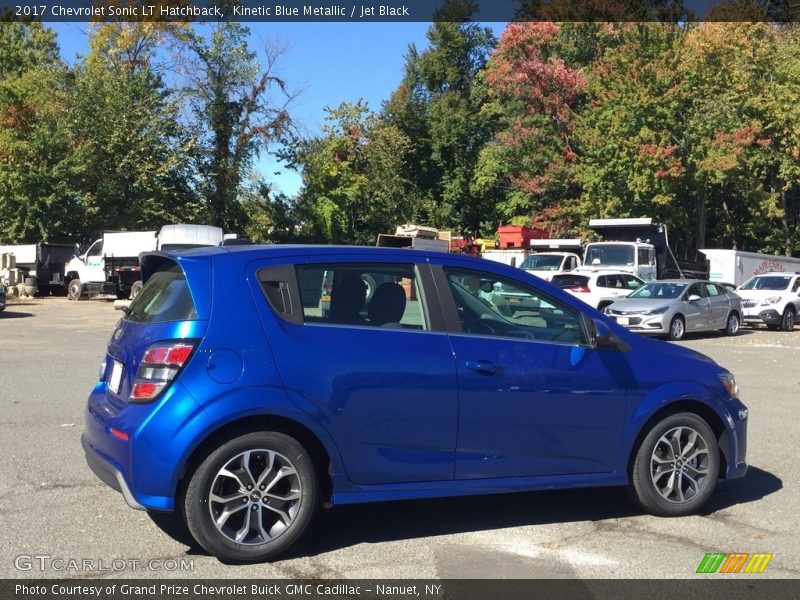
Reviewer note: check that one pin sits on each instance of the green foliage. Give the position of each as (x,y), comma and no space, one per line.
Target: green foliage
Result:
(240,108)
(353,178)
(438,107)
(37,200)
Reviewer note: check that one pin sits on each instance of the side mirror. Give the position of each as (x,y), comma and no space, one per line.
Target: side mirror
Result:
(694,298)
(601,335)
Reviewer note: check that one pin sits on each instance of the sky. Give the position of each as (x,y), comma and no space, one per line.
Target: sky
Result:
(330,62)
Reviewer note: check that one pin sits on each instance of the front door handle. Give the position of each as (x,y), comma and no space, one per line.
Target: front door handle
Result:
(486,367)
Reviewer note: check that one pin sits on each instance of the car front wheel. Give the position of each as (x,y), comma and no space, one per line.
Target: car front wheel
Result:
(677,328)
(252,498)
(787,324)
(676,467)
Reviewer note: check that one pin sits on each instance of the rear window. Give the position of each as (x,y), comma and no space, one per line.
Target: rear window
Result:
(567,281)
(165,297)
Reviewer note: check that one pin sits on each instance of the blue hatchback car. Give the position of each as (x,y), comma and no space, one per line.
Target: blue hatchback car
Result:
(245,387)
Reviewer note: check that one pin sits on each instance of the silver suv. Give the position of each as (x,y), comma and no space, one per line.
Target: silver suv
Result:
(771,299)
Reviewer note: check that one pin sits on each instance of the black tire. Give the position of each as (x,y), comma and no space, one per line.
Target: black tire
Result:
(297,498)
(135,289)
(677,328)
(787,322)
(174,525)
(648,488)
(75,290)
(732,324)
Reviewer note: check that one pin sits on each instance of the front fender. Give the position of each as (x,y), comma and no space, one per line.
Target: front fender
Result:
(663,396)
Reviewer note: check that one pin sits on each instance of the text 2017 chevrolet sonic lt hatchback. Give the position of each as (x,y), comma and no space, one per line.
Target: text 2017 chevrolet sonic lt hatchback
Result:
(246,386)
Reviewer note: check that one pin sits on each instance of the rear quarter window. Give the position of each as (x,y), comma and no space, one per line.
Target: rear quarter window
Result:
(165,297)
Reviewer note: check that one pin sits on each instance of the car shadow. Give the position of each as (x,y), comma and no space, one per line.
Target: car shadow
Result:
(349,525)
(755,485)
(10,314)
(345,526)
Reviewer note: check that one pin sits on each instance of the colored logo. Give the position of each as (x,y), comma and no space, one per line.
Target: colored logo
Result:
(737,562)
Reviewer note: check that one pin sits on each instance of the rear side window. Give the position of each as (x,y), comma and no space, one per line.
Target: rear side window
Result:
(567,281)
(362,295)
(165,297)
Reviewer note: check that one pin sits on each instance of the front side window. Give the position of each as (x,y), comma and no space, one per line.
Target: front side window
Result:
(362,295)
(632,282)
(711,290)
(501,307)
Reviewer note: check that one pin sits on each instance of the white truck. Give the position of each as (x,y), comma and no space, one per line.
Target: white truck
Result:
(553,257)
(639,246)
(111,264)
(737,266)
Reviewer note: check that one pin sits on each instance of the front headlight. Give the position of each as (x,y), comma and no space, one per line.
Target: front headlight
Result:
(771,300)
(656,311)
(729,383)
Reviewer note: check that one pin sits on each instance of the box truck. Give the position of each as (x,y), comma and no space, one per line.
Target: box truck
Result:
(737,266)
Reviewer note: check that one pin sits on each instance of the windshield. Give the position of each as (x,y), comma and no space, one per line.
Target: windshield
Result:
(617,255)
(771,282)
(541,262)
(165,297)
(661,291)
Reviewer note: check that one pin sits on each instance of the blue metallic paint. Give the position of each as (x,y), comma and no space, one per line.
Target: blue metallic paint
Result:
(395,410)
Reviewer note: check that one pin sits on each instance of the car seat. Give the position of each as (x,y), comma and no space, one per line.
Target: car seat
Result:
(388,305)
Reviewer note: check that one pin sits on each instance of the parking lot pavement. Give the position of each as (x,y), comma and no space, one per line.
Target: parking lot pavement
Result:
(52,505)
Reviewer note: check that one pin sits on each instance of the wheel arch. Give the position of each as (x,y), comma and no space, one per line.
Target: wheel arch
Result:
(320,455)
(688,405)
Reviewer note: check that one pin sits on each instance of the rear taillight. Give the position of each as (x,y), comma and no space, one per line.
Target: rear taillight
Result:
(160,365)
(580,288)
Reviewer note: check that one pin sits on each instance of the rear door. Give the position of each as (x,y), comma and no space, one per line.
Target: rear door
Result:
(535,399)
(369,359)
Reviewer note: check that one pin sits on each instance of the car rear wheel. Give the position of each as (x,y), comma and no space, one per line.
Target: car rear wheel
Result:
(677,327)
(676,467)
(732,324)
(787,323)
(253,497)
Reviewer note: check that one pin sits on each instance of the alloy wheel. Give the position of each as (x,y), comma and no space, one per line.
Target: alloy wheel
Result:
(255,497)
(679,465)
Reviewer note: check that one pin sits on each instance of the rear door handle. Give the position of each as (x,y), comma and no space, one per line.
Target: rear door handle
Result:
(486,367)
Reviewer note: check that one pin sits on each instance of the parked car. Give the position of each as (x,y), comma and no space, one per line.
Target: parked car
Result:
(232,410)
(597,288)
(772,299)
(673,307)
(2,297)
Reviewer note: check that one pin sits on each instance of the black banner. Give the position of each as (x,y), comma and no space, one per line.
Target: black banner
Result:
(400,10)
(743,587)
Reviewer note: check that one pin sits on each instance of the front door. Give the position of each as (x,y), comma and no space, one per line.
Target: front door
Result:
(534,398)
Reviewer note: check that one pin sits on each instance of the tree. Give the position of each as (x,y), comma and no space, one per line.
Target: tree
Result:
(437,106)
(353,178)
(530,162)
(240,108)
(127,137)
(37,200)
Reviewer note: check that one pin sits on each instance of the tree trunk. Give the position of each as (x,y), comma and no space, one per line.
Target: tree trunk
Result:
(701,218)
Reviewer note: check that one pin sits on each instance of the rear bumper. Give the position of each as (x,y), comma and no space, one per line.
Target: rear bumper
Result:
(108,474)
